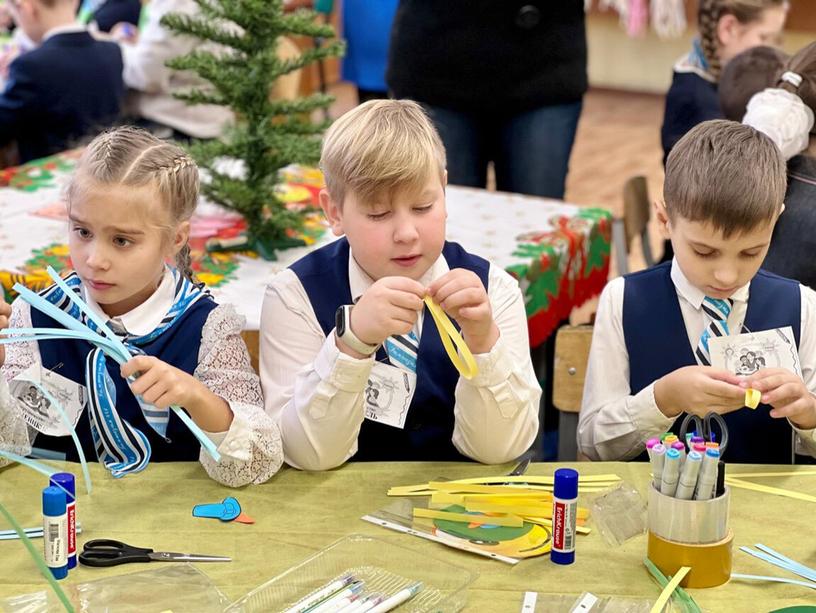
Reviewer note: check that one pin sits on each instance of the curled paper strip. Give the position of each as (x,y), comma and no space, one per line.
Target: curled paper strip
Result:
(752,398)
(450,336)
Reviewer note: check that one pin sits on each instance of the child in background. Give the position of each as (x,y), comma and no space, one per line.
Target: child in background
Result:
(727,27)
(66,88)
(649,361)
(344,329)
(129,204)
(782,104)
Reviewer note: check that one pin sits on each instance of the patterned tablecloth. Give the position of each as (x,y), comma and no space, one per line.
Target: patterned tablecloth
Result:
(558,252)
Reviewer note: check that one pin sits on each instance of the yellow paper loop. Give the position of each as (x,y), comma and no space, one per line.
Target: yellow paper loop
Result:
(669,589)
(752,398)
(465,364)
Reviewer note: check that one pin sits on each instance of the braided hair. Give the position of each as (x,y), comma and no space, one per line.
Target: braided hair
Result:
(133,157)
(708,18)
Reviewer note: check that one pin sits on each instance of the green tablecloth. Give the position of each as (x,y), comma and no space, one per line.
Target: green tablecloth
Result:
(299,513)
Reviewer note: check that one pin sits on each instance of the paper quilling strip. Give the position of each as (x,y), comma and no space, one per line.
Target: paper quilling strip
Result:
(669,589)
(756,487)
(752,398)
(450,336)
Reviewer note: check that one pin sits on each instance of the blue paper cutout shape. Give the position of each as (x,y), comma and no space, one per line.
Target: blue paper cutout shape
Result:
(226,510)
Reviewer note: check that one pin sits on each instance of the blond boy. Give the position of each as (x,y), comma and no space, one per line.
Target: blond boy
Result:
(351,364)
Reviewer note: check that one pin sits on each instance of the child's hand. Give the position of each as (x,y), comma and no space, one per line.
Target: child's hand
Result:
(387,308)
(160,384)
(699,390)
(787,394)
(5,313)
(124,32)
(463,296)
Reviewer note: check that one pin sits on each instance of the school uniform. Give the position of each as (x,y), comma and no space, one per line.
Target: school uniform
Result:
(111,12)
(68,88)
(691,99)
(204,341)
(316,393)
(648,325)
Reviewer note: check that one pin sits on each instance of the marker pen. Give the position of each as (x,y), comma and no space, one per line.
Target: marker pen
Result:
(564,515)
(657,458)
(720,490)
(700,448)
(681,448)
(68,485)
(670,439)
(671,473)
(698,439)
(652,442)
(688,476)
(55,531)
(708,475)
(397,599)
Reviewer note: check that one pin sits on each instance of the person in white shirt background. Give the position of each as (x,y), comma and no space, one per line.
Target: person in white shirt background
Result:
(344,317)
(648,364)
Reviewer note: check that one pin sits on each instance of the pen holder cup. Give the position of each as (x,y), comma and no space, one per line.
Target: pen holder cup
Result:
(691,533)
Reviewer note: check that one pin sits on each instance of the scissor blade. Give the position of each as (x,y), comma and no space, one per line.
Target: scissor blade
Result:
(169,556)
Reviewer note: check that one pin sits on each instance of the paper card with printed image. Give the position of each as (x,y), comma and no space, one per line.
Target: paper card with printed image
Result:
(388,394)
(37,411)
(745,354)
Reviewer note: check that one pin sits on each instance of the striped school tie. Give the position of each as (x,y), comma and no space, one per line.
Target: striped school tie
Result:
(717,312)
(402,350)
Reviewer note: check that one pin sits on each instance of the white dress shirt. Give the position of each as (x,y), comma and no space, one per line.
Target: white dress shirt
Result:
(315,391)
(613,423)
(145,71)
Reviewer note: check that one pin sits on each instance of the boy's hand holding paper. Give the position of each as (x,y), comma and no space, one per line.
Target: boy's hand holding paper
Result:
(389,307)
(787,394)
(462,295)
(698,390)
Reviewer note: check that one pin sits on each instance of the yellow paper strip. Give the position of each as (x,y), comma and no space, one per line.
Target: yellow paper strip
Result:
(752,398)
(447,498)
(466,488)
(538,480)
(514,509)
(765,489)
(509,521)
(784,473)
(547,522)
(669,589)
(450,336)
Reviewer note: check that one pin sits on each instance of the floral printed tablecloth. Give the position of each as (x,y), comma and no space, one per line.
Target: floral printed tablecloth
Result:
(558,252)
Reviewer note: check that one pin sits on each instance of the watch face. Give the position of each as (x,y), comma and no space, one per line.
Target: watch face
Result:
(340,321)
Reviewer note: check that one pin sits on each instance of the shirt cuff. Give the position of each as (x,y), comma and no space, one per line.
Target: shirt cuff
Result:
(342,371)
(236,442)
(808,436)
(494,367)
(644,413)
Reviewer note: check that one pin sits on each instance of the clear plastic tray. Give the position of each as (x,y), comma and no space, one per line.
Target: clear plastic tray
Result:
(381,564)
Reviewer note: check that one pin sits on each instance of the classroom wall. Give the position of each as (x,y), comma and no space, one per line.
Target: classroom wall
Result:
(617,61)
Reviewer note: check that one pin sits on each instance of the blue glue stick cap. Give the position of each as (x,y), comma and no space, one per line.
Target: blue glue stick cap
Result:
(565,484)
(53,499)
(67,483)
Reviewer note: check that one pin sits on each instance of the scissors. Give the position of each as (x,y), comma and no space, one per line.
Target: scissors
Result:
(107,552)
(703,427)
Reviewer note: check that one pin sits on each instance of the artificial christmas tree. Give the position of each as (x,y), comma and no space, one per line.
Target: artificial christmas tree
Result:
(268,134)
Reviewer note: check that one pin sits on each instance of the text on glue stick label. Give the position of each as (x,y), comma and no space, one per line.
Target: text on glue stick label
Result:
(71,529)
(564,517)
(55,539)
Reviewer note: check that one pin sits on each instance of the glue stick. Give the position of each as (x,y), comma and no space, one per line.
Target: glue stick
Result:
(565,513)
(55,531)
(66,482)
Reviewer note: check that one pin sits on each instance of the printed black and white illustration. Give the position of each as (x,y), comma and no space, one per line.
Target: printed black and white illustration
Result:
(37,410)
(388,394)
(748,353)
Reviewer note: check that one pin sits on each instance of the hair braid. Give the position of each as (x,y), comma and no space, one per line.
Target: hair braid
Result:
(707,19)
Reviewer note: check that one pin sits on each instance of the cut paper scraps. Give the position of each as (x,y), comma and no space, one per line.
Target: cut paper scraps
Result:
(227,510)
(506,517)
(766,554)
(681,597)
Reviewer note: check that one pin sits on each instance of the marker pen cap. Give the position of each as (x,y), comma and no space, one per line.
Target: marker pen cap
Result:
(652,442)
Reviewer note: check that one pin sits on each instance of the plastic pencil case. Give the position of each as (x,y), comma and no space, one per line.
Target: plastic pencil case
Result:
(380,564)
(691,533)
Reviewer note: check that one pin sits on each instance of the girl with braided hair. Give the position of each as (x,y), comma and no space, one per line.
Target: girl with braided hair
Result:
(726,28)
(130,202)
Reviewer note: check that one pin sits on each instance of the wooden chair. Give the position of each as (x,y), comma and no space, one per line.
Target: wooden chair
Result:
(635,222)
(571,356)
(252,340)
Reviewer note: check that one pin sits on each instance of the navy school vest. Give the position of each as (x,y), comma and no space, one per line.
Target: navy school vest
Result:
(658,344)
(177,346)
(429,425)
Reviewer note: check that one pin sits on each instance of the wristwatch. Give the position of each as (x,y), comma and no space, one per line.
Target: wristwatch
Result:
(342,323)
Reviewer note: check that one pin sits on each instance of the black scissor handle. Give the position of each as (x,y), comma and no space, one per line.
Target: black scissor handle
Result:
(109,552)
